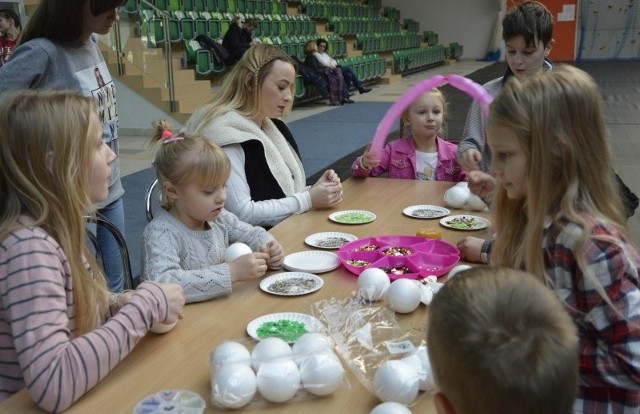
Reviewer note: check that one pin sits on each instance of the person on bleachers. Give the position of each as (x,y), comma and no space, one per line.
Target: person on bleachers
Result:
(338,92)
(268,181)
(348,74)
(10,29)
(239,38)
(57,50)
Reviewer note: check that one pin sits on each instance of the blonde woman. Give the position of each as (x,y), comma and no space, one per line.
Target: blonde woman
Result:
(267,182)
(61,331)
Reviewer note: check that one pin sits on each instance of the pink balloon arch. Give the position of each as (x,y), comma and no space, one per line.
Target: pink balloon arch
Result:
(462,83)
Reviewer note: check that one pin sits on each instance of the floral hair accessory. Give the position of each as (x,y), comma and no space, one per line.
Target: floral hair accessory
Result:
(168,136)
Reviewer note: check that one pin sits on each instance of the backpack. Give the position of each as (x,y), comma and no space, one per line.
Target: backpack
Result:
(217,50)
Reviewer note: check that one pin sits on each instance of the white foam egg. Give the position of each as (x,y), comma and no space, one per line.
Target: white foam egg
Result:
(373,283)
(457,269)
(475,203)
(278,381)
(404,295)
(234,385)
(420,360)
(396,380)
(160,328)
(269,350)
(426,294)
(230,352)
(456,196)
(321,373)
(390,407)
(236,250)
(309,344)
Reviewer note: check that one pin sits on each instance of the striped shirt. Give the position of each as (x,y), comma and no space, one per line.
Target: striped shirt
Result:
(39,348)
(609,339)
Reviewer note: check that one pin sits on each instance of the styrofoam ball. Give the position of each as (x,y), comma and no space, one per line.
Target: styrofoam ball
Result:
(278,381)
(230,352)
(395,380)
(404,295)
(269,350)
(160,328)
(475,203)
(373,282)
(309,344)
(420,359)
(390,407)
(322,373)
(236,250)
(234,385)
(456,196)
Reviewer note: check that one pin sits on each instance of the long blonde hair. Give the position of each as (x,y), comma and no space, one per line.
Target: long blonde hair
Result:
(557,118)
(182,159)
(241,89)
(46,159)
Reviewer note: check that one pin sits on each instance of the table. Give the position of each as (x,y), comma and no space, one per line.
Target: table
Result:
(179,359)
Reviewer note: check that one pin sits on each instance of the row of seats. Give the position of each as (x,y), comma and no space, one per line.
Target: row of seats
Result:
(410,60)
(319,9)
(219,6)
(294,45)
(384,42)
(355,25)
(411,25)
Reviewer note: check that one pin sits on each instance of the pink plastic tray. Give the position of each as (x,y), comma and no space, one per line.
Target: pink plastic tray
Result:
(419,257)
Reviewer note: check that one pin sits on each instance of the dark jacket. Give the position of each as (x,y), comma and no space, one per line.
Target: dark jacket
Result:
(236,38)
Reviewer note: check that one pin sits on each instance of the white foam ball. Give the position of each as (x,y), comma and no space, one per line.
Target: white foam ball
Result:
(373,282)
(269,350)
(404,295)
(278,381)
(236,250)
(390,407)
(309,344)
(395,380)
(420,360)
(234,385)
(456,196)
(228,353)
(475,203)
(322,373)
(160,328)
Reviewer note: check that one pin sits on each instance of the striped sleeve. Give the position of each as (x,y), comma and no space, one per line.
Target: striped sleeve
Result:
(38,345)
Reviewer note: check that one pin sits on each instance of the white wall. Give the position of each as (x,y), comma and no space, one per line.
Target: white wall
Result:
(468,22)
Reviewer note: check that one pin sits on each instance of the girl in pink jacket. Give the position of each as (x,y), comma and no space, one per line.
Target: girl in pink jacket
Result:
(421,156)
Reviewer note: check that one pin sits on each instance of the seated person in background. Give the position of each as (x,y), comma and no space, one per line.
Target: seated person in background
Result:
(338,92)
(61,331)
(310,76)
(268,181)
(499,341)
(350,78)
(421,156)
(239,38)
(186,242)
(10,30)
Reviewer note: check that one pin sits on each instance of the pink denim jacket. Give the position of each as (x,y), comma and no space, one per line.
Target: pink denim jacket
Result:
(398,158)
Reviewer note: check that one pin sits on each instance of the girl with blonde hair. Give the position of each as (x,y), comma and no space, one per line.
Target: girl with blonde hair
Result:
(558,215)
(187,241)
(268,181)
(56,313)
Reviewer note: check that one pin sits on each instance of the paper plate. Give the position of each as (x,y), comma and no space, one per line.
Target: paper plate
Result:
(311,261)
(426,211)
(465,222)
(352,217)
(291,283)
(171,401)
(311,324)
(329,240)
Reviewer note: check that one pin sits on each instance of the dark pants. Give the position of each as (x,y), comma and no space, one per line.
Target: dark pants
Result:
(235,56)
(350,78)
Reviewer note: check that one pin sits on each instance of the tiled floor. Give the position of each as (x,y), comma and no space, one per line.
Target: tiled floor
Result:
(135,155)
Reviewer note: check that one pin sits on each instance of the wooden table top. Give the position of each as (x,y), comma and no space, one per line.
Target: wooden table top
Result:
(180,358)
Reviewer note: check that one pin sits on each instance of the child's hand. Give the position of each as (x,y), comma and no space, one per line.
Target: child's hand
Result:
(248,266)
(470,159)
(369,159)
(175,300)
(481,184)
(275,252)
(470,249)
